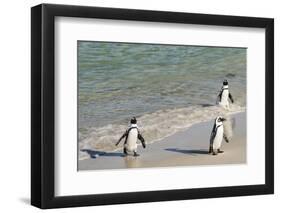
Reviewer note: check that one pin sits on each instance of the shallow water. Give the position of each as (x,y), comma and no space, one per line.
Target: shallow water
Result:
(166,87)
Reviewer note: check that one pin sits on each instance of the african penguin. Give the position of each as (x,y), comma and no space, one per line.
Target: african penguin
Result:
(224,95)
(131,136)
(217,136)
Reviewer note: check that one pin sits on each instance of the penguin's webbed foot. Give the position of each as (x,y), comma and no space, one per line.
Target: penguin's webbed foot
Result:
(136,154)
(220,151)
(214,153)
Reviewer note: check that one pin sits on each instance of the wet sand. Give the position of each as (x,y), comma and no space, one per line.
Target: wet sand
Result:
(185,148)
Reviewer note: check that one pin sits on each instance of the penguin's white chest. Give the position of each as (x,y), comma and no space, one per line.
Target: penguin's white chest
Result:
(131,144)
(224,98)
(218,138)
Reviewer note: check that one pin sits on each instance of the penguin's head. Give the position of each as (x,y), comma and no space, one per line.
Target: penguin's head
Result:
(225,82)
(219,120)
(133,120)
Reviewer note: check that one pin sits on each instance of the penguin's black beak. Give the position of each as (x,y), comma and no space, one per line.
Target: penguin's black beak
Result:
(223,119)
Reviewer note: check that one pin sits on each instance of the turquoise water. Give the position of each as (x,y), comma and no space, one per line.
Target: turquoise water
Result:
(152,82)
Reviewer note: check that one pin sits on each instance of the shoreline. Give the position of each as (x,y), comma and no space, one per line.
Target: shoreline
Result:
(183,148)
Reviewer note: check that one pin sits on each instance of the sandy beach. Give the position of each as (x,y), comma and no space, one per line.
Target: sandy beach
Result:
(185,148)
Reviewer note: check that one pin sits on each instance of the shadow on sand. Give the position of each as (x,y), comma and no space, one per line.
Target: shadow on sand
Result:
(96,154)
(207,105)
(190,152)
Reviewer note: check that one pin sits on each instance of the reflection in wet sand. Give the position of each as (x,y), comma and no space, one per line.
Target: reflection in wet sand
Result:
(132,162)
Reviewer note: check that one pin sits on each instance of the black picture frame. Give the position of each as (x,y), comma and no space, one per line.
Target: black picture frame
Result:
(43,102)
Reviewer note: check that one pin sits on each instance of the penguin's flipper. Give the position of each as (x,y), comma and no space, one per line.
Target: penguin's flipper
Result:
(230,97)
(142,140)
(213,134)
(225,138)
(123,136)
(219,96)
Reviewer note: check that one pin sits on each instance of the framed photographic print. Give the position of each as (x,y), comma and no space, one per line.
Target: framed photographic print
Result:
(139,106)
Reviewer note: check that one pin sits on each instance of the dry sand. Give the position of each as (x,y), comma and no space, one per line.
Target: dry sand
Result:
(184,148)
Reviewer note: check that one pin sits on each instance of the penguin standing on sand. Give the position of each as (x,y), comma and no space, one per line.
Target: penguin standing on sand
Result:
(224,95)
(131,136)
(217,136)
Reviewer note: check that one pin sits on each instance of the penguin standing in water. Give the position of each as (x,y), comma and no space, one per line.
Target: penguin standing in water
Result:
(217,136)
(131,136)
(224,95)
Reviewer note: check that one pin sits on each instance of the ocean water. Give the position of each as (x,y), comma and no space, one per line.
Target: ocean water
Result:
(167,87)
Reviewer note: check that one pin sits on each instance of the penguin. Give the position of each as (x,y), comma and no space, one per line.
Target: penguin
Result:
(224,95)
(131,135)
(217,136)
